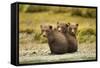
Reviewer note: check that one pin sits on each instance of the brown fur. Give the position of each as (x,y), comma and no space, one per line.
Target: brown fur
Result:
(72,41)
(57,41)
(72,29)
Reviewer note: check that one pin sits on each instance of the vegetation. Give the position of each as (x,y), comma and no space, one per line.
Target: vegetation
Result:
(87,26)
(87,35)
(83,12)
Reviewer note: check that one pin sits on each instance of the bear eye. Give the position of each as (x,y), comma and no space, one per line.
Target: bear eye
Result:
(75,28)
(58,26)
(70,28)
(42,30)
(47,31)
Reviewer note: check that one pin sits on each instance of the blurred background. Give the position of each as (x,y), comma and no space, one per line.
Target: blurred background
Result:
(32,16)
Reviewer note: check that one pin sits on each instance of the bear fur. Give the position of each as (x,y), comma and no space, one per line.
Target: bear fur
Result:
(72,28)
(70,36)
(57,41)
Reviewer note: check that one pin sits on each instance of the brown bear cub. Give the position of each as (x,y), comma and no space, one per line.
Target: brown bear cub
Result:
(57,41)
(72,29)
(69,31)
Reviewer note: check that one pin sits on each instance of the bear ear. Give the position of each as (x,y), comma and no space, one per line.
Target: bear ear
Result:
(68,23)
(77,24)
(50,26)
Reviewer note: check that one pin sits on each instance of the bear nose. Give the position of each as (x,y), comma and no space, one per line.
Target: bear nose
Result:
(44,35)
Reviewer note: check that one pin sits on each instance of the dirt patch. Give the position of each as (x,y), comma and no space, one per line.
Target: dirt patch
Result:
(39,53)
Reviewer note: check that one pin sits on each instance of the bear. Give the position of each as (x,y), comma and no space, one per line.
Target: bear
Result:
(72,29)
(57,41)
(66,29)
(62,27)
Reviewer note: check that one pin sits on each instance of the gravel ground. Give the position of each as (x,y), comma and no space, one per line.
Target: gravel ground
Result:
(39,53)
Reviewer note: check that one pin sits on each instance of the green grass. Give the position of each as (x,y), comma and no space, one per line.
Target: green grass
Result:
(88,34)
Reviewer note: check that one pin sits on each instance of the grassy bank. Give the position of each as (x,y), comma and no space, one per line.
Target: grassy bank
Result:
(30,24)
